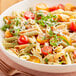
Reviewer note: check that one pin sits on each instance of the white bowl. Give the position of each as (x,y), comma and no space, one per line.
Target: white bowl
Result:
(35,66)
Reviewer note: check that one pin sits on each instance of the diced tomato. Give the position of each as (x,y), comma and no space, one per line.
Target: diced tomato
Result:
(60,6)
(23,40)
(52,8)
(75,53)
(46,49)
(29,15)
(73,26)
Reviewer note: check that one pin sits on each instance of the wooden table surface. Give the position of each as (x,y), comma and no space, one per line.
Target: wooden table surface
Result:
(4,4)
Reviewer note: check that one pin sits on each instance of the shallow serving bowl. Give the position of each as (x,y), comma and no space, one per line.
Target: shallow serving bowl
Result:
(35,66)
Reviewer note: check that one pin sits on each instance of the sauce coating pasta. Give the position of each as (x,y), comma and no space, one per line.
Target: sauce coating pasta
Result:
(45,35)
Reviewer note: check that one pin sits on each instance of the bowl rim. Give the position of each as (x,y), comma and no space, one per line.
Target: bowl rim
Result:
(4,50)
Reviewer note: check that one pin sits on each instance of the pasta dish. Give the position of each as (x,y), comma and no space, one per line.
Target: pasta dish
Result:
(42,34)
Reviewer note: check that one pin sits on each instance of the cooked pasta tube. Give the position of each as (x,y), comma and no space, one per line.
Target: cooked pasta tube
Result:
(32,40)
(38,47)
(68,12)
(74,44)
(19,47)
(72,20)
(63,12)
(9,45)
(58,49)
(68,60)
(14,13)
(50,58)
(29,30)
(34,59)
(14,51)
(27,49)
(66,23)
(11,39)
(25,57)
(64,44)
(56,56)
(33,33)
(40,31)
(69,49)
(35,53)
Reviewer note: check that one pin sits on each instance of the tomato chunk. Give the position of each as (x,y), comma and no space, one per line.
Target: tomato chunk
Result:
(29,15)
(53,8)
(23,40)
(73,26)
(60,6)
(75,53)
(46,49)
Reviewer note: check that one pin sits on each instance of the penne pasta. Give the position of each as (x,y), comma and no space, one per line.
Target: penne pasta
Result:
(29,30)
(19,47)
(9,45)
(27,49)
(68,60)
(45,35)
(33,33)
(11,39)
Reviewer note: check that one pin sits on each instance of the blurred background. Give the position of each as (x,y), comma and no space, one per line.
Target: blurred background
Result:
(4,4)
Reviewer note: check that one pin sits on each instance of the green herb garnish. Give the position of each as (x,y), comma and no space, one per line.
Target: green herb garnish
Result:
(44,37)
(15,32)
(17,22)
(61,62)
(46,20)
(64,39)
(26,23)
(56,39)
(66,55)
(5,27)
(46,60)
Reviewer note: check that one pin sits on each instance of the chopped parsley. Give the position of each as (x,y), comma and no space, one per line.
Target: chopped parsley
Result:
(44,37)
(46,60)
(14,32)
(66,55)
(17,21)
(28,54)
(5,27)
(55,40)
(61,62)
(64,39)
(26,23)
(46,20)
